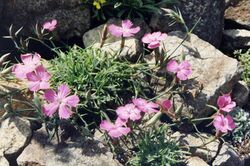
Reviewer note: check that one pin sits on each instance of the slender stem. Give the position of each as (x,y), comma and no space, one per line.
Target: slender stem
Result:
(104,35)
(154,119)
(122,43)
(201,119)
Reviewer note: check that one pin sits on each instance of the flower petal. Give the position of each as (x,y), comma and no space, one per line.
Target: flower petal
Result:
(34,86)
(154,45)
(50,95)
(50,109)
(106,125)
(72,100)
(63,91)
(172,66)
(64,112)
(115,30)
(127,24)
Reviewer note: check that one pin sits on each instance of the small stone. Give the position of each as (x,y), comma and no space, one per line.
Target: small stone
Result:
(133,47)
(241,93)
(194,161)
(93,36)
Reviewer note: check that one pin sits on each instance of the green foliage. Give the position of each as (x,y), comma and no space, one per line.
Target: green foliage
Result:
(156,150)
(242,122)
(100,80)
(245,62)
(129,8)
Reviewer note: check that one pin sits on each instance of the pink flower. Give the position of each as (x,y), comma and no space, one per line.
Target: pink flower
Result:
(125,30)
(30,62)
(144,106)
(129,111)
(182,70)
(223,124)
(166,104)
(60,101)
(50,25)
(115,130)
(225,103)
(38,79)
(153,39)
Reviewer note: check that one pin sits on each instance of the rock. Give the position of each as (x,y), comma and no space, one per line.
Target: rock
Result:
(214,152)
(133,47)
(15,90)
(93,36)
(15,136)
(213,73)
(194,161)
(3,161)
(1,9)
(132,50)
(235,39)
(207,152)
(75,151)
(73,17)
(241,93)
(210,26)
(231,3)
(239,13)
(227,157)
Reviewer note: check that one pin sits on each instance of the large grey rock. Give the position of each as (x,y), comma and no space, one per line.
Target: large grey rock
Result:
(235,39)
(239,13)
(74,151)
(210,26)
(15,134)
(73,17)
(213,73)
(1,9)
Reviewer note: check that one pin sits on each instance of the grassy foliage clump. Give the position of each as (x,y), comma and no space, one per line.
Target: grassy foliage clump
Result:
(155,150)
(245,62)
(102,81)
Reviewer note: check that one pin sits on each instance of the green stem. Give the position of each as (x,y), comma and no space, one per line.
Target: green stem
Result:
(201,119)
(122,44)
(154,119)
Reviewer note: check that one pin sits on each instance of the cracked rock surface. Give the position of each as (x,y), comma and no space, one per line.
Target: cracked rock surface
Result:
(214,152)
(74,151)
(73,17)
(210,26)
(15,136)
(213,73)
